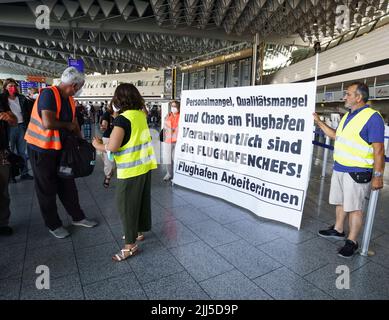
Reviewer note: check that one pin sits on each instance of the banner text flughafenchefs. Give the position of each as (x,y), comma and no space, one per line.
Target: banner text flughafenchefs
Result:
(249,145)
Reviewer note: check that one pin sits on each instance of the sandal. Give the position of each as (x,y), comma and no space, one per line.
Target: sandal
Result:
(106,182)
(140,237)
(122,256)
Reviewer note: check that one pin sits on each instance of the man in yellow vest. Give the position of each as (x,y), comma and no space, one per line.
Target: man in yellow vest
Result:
(52,120)
(359,164)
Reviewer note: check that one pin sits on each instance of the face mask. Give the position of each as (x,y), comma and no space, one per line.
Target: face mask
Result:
(115,108)
(12,91)
(78,93)
(174,110)
(35,96)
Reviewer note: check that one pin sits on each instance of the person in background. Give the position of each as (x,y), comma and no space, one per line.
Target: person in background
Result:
(52,121)
(33,94)
(358,164)
(92,114)
(130,142)
(170,132)
(100,112)
(106,127)
(21,107)
(87,127)
(80,114)
(7,118)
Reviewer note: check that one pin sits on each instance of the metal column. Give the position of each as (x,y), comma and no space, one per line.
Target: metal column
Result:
(254,59)
(369,223)
(325,157)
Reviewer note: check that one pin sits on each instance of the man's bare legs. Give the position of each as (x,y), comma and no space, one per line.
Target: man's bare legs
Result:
(355,221)
(340,218)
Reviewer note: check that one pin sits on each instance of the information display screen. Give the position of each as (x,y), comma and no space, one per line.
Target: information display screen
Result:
(233,74)
(201,75)
(221,75)
(211,77)
(193,80)
(245,72)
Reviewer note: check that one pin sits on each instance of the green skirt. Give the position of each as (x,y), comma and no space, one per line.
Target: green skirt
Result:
(133,197)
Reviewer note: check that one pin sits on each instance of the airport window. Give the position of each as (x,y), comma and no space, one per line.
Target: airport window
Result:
(370,81)
(382,80)
(201,79)
(186,81)
(193,80)
(245,72)
(211,77)
(320,89)
(333,87)
(233,74)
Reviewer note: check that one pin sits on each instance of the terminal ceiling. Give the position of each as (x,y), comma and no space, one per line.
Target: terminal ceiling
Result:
(128,35)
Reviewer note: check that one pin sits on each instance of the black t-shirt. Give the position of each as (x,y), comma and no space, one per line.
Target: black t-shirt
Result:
(125,124)
(107,117)
(79,116)
(47,102)
(3,129)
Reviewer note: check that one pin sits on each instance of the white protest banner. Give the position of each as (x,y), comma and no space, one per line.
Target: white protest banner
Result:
(251,146)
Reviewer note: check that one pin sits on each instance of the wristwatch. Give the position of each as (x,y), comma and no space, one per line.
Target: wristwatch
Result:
(377,174)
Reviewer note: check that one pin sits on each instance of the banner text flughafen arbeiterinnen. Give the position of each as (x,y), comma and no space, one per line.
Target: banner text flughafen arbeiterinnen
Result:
(250,145)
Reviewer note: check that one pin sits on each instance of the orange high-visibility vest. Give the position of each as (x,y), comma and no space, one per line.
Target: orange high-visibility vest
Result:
(43,138)
(171,128)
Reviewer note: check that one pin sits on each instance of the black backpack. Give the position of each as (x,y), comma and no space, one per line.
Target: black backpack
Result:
(78,158)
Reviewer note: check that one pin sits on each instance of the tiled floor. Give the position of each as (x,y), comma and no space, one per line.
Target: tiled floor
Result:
(199,248)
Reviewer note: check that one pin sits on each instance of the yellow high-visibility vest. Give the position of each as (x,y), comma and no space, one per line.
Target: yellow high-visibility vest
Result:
(137,156)
(350,149)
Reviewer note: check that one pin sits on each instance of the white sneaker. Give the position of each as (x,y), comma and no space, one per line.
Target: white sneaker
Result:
(85,223)
(167,177)
(60,233)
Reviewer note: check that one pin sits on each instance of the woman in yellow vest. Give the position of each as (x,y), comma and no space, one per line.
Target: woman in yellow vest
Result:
(170,131)
(130,144)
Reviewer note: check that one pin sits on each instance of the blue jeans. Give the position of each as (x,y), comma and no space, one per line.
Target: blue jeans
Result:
(18,144)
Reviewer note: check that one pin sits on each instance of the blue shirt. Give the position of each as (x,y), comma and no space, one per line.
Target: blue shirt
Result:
(47,102)
(372,131)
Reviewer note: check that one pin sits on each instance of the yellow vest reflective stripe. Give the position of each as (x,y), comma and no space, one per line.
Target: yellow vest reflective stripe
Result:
(137,156)
(133,149)
(136,163)
(350,149)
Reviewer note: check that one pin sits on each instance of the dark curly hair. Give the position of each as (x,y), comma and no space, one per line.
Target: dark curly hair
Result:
(127,97)
(8,81)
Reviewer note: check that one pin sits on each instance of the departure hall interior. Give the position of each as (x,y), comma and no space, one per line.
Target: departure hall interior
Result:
(246,207)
